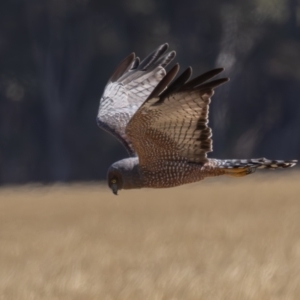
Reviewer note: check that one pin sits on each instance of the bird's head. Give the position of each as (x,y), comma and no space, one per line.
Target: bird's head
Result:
(124,174)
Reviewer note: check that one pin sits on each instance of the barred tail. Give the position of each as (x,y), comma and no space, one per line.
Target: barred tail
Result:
(243,167)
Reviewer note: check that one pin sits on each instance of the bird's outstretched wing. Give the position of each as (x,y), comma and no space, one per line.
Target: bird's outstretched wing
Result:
(128,88)
(172,122)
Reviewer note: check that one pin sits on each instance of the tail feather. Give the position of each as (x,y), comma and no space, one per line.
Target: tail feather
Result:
(243,167)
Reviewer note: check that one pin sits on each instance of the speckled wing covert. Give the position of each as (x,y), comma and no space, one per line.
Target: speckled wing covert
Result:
(172,122)
(128,88)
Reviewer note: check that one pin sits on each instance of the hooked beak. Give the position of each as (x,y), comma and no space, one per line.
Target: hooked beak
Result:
(114,188)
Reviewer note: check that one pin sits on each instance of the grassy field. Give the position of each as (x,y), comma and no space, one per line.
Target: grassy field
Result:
(223,238)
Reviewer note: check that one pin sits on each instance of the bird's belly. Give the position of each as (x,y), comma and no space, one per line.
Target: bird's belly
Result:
(173,175)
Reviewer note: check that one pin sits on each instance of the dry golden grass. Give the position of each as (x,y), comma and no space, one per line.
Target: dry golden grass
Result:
(223,238)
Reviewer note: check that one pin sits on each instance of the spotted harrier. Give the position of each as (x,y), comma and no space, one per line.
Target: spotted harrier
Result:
(162,123)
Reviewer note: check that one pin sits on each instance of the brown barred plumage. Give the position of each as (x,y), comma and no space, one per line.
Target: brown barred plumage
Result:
(167,129)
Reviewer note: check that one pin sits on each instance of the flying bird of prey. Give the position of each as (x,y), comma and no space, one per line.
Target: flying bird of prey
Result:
(162,123)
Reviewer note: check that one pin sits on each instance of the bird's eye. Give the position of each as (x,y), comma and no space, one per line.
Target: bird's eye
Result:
(113,181)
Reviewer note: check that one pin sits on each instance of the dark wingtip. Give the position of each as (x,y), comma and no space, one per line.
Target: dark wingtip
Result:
(165,82)
(212,84)
(203,78)
(166,59)
(122,67)
(153,57)
(135,63)
(219,70)
(164,46)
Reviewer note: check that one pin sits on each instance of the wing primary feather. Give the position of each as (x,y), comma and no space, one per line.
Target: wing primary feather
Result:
(152,58)
(204,77)
(123,67)
(166,59)
(212,84)
(135,63)
(164,82)
(177,84)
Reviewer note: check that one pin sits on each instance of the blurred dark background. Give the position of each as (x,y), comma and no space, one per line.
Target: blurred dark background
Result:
(56,56)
